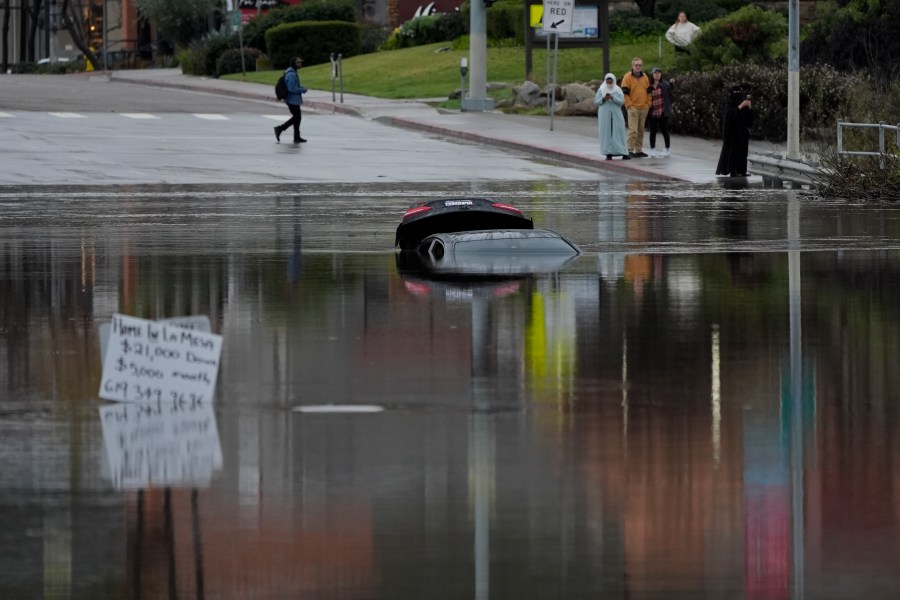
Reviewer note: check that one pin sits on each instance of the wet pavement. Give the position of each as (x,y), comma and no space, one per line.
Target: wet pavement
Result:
(221,131)
(569,140)
(701,405)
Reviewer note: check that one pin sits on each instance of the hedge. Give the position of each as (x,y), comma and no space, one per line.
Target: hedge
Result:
(311,10)
(314,41)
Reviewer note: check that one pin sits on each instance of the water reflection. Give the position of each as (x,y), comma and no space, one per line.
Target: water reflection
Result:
(648,422)
(161,444)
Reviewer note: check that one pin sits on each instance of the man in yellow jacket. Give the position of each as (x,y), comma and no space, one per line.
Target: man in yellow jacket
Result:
(636,86)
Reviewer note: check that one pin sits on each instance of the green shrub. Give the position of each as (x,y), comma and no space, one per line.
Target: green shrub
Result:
(504,20)
(415,32)
(194,59)
(856,36)
(749,34)
(188,61)
(452,25)
(230,61)
(213,45)
(23,68)
(315,41)
(427,29)
(310,10)
(61,68)
(825,96)
(372,37)
(626,26)
(697,11)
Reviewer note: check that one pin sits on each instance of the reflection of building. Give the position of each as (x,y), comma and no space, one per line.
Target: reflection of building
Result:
(198,544)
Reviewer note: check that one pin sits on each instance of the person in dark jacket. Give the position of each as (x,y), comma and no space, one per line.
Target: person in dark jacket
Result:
(294,101)
(737,120)
(660,109)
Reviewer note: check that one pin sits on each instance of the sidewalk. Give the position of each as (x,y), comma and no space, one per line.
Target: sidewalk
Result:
(573,140)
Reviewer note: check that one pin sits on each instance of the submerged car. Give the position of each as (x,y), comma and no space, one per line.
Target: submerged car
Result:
(454,215)
(496,252)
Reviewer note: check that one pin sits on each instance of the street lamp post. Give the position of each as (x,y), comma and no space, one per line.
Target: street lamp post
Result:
(478,100)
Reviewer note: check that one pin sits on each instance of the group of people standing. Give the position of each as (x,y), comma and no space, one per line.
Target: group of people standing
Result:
(648,100)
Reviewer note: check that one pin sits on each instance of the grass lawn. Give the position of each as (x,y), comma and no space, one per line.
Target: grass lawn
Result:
(432,71)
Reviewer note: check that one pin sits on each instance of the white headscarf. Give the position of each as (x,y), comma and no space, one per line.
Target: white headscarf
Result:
(606,88)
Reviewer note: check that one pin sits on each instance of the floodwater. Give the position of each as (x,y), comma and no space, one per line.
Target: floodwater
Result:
(702,405)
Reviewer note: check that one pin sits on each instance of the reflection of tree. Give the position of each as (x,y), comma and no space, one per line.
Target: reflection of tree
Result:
(46,318)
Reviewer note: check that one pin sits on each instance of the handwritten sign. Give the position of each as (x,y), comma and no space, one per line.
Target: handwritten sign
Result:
(151,361)
(161,444)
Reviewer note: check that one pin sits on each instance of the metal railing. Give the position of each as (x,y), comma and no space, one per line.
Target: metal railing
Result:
(881,127)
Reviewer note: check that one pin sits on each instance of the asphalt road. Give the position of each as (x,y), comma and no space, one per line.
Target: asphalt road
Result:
(87,130)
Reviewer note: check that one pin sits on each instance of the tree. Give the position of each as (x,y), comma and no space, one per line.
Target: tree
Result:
(857,35)
(179,21)
(647,7)
(748,35)
(5,40)
(71,17)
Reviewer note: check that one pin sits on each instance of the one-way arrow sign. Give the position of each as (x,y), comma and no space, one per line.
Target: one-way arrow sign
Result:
(558,16)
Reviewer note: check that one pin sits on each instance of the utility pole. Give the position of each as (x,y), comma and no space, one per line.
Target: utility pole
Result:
(478,100)
(793,114)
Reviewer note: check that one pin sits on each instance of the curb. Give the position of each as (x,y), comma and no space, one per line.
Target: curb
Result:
(542,151)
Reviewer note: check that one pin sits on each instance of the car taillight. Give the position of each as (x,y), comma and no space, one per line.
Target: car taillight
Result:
(502,206)
(415,210)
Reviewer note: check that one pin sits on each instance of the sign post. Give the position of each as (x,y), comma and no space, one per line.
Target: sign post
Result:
(557,19)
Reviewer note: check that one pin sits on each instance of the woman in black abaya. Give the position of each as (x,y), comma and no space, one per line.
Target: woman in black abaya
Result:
(738,119)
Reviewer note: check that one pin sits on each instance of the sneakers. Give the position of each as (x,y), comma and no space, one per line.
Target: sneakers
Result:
(666,152)
(652,152)
(638,154)
(299,141)
(277,135)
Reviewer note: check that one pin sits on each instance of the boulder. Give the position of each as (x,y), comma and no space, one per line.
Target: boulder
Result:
(579,101)
(528,94)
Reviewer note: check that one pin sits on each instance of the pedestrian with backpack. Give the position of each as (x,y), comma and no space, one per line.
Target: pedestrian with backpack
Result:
(293,99)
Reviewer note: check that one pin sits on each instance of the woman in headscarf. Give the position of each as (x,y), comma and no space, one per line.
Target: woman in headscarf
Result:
(737,120)
(610,120)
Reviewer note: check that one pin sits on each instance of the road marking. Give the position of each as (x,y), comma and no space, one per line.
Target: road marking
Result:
(4,115)
(276,117)
(210,117)
(66,115)
(139,116)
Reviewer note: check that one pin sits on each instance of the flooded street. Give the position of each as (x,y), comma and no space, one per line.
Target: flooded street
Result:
(703,404)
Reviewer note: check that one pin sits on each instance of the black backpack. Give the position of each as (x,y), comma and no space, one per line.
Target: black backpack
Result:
(281,90)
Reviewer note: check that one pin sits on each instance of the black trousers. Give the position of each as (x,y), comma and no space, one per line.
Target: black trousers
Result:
(295,119)
(660,124)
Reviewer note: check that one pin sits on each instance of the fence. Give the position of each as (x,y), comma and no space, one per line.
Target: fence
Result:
(881,127)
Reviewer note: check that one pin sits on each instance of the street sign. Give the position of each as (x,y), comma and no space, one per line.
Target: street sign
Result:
(558,16)
(585,23)
(536,14)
